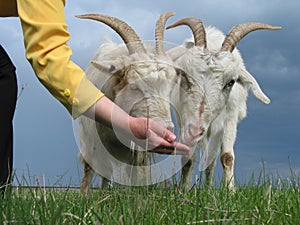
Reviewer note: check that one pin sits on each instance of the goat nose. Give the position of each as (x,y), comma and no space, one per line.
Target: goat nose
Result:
(195,131)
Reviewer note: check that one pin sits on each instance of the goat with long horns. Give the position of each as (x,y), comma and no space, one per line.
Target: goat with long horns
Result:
(217,84)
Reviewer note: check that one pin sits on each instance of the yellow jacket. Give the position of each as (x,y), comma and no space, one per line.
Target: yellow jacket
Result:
(45,36)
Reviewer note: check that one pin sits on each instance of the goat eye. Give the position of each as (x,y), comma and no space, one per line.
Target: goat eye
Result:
(230,84)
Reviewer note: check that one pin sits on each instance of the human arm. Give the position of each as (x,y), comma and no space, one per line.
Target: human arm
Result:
(45,38)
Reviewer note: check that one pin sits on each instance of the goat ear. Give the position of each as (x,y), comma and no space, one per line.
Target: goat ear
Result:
(247,80)
(105,67)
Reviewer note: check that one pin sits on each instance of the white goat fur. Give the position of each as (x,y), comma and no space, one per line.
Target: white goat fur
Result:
(220,82)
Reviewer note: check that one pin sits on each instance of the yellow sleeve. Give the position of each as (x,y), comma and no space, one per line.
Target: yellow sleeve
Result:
(45,38)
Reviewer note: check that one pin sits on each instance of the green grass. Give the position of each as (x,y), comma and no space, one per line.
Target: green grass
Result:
(254,203)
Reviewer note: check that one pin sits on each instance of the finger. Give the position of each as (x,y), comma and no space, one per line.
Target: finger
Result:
(152,141)
(174,146)
(155,140)
(162,132)
(159,145)
(179,145)
(169,136)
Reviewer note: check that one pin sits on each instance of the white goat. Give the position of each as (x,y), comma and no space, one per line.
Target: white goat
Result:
(213,94)
(138,80)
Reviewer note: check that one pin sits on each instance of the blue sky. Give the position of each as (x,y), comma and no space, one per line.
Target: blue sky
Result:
(44,142)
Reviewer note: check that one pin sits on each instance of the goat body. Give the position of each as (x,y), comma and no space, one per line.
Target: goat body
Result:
(213,94)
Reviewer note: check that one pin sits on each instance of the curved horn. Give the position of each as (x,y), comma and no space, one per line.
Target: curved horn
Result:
(197,28)
(241,30)
(159,32)
(128,35)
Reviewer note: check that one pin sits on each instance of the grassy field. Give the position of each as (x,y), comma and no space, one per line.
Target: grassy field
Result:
(254,203)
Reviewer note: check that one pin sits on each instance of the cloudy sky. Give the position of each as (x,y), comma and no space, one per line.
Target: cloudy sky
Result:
(44,142)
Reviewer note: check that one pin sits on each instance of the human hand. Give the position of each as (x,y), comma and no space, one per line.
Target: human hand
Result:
(153,137)
(145,132)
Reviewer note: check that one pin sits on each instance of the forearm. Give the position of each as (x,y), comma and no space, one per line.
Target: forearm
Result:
(103,110)
(110,114)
